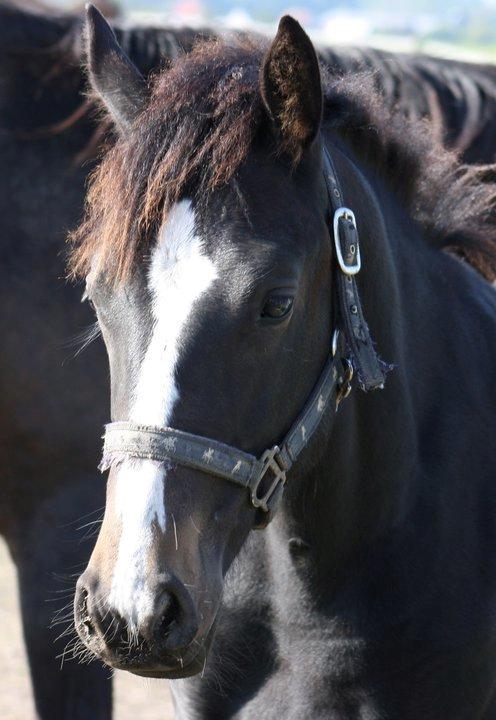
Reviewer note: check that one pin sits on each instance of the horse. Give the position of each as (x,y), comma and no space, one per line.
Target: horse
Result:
(292,287)
(52,403)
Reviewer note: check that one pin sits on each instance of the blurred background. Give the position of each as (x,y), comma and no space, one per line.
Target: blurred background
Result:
(465,29)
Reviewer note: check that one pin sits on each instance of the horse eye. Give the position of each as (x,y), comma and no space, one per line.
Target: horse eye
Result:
(277,307)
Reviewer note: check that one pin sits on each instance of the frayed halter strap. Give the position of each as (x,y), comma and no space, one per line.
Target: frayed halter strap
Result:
(265,477)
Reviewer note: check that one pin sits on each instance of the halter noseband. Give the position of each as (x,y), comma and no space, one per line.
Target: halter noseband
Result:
(352,350)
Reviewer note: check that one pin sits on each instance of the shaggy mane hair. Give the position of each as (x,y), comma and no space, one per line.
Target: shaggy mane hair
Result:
(203,115)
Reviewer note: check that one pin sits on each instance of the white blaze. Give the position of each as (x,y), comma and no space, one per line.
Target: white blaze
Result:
(179,274)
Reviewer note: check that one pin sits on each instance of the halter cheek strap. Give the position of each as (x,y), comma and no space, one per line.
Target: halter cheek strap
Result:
(265,477)
(370,370)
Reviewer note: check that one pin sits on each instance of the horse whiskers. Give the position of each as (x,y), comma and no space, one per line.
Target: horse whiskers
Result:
(64,607)
(84,658)
(83,517)
(193,523)
(61,615)
(92,532)
(83,339)
(68,631)
(69,576)
(175,530)
(60,597)
(226,669)
(89,524)
(70,647)
(62,655)
(94,528)
(75,650)
(110,640)
(61,621)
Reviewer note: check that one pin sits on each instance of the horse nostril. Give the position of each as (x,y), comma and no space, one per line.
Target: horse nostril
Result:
(167,615)
(84,620)
(82,601)
(88,626)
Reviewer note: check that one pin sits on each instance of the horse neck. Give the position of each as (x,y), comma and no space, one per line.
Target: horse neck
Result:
(362,486)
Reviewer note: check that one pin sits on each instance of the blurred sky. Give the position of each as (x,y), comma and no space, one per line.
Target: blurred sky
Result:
(460,28)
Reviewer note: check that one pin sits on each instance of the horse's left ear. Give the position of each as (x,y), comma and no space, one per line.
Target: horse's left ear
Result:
(291,88)
(115,78)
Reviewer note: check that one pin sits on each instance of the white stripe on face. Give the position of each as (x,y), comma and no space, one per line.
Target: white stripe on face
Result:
(179,274)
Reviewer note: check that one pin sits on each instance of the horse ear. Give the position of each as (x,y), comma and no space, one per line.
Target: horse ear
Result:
(114,77)
(291,88)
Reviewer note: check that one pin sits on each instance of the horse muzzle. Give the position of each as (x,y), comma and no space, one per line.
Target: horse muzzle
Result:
(162,640)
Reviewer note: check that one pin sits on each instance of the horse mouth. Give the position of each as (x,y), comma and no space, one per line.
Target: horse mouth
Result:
(175,670)
(192,668)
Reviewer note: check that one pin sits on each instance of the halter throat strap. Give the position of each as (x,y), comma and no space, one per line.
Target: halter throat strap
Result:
(265,477)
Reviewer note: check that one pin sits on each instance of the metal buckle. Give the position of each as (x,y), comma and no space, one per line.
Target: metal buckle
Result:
(347,269)
(270,462)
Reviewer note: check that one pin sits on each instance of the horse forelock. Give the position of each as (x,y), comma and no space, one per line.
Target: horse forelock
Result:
(198,129)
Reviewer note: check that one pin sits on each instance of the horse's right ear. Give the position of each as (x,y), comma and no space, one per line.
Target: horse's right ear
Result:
(291,89)
(114,77)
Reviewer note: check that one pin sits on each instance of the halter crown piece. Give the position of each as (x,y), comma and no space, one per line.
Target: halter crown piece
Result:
(352,350)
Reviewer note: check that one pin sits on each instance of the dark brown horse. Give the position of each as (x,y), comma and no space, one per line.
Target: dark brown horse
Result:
(255,227)
(52,402)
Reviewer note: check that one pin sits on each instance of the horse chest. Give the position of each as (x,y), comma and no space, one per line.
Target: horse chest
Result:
(281,655)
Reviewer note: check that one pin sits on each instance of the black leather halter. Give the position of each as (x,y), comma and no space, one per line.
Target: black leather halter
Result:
(352,350)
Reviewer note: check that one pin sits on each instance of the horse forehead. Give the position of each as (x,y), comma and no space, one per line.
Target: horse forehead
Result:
(180,269)
(177,238)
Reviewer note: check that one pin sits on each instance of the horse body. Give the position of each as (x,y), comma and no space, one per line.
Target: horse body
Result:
(363,598)
(370,593)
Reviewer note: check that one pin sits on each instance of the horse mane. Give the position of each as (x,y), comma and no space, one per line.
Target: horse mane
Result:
(459,98)
(203,116)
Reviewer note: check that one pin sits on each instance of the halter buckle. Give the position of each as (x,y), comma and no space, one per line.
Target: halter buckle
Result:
(354,249)
(270,462)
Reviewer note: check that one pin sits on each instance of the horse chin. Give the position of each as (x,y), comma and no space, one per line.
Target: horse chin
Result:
(170,668)
(186,668)
(192,668)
